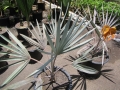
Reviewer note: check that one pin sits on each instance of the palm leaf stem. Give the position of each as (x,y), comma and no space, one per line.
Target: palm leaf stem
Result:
(39,62)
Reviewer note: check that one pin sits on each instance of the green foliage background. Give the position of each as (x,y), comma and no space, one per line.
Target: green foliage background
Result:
(108,5)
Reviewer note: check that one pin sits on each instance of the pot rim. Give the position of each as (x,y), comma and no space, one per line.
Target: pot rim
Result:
(60,69)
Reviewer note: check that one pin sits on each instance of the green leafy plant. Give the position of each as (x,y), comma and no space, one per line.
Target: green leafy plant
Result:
(98,4)
(25,7)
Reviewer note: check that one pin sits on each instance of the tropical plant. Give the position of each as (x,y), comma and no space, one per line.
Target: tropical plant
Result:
(106,31)
(63,39)
(25,7)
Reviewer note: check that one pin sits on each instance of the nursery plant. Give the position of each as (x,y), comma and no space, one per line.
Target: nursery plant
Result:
(106,32)
(25,7)
(62,40)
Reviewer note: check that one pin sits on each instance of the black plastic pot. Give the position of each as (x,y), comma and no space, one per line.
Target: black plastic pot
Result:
(4,21)
(36,55)
(22,29)
(56,11)
(69,84)
(41,6)
(37,15)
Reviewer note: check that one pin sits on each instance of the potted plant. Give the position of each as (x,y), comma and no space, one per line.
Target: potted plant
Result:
(25,6)
(96,55)
(13,8)
(63,40)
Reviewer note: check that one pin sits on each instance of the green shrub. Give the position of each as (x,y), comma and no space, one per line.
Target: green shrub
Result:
(98,4)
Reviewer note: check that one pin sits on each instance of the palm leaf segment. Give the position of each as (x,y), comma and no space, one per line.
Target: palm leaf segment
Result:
(19,54)
(39,36)
(65,38)
(85,58)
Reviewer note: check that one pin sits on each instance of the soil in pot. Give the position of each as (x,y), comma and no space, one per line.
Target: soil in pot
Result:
(62,80)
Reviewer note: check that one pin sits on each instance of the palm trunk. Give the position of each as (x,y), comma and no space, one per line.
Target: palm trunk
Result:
(53,70)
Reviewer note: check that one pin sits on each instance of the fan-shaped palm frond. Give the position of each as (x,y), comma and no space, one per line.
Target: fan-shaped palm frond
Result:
(18,53)
(77,63)
(41,40)
(67,39)
(105,24)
